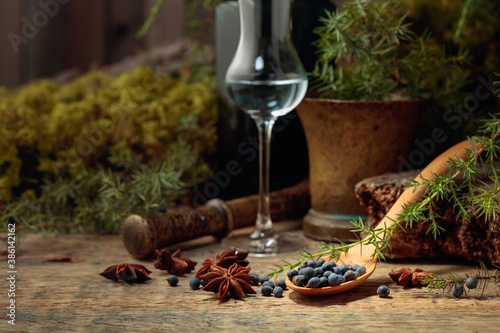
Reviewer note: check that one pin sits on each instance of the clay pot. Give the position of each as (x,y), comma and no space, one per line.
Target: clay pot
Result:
(349,141)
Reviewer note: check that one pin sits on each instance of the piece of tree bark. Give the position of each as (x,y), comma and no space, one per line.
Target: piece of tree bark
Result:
(475,239)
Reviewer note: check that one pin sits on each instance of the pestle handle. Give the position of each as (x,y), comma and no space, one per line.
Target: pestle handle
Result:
(144,234)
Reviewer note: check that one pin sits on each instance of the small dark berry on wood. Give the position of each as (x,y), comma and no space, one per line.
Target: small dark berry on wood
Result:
(266,290)
(383,291)
(195,283)
(458,290)
(278,292)
(471,282)
(173,280)
(281,283)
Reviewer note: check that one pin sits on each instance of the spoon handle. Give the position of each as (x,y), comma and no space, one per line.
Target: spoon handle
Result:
(436,167)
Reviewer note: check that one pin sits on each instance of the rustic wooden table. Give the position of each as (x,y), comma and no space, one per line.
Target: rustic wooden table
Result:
(72,296)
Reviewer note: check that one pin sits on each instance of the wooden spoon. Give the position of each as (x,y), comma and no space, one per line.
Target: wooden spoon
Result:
(363,254)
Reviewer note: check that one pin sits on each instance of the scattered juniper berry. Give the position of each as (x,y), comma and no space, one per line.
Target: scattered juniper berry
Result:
(471,282)
(278,292)
(383,291)
(266,290)
(173,280)
(281,283)
(256,279)
(269,283)
(194,283)
(458,290)
(264,278)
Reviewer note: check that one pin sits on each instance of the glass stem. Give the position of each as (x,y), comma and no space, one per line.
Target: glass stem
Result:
(264,226)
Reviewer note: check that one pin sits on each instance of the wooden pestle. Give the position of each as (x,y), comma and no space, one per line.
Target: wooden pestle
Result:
(144,234)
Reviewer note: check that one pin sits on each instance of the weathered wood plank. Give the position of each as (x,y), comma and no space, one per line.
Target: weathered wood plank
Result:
(87,34)
(78,34)
(72,296)
(126,19)
(44,53)
(10,43)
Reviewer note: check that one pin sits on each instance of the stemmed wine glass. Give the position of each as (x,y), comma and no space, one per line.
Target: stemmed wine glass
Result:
(266,80)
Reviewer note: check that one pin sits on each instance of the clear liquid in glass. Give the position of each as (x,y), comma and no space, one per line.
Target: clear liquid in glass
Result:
(267,98)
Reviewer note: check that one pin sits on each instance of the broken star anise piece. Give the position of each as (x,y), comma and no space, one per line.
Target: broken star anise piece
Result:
(407,278)
(224,260)
(401,276)
(127,272)
(173,263)
(233,281)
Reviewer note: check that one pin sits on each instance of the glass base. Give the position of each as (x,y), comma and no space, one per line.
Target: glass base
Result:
(331,227)
(281,242)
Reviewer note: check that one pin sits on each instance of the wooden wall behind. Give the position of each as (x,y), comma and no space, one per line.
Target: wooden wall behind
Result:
(78,34)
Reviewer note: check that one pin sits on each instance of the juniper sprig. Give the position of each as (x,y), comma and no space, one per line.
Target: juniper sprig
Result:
(483,275)
(367,51)
(472,195)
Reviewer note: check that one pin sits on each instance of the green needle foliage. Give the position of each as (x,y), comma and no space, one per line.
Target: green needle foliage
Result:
(150,19)
(469,193)
(84,155)
(366,51)
(483,276)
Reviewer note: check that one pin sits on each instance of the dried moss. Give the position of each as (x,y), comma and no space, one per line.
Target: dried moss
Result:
(99,126)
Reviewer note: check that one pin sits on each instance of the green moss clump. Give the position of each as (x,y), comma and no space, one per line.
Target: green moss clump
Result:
(66,147)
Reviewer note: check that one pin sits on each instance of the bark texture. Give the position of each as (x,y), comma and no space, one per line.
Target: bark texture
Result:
(476,239)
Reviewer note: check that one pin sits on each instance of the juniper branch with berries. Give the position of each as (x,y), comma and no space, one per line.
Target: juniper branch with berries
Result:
(482,275)
(470,196)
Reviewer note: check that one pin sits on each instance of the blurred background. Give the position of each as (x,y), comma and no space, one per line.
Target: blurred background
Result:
(83,34)
(64,40)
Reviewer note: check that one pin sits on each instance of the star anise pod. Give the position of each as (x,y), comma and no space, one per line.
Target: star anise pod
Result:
(225,260)
(233,281)
(127,272)
(173,263)
(407,278)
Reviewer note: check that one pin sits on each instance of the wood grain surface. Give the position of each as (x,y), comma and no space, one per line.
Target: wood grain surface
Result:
(72,296)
